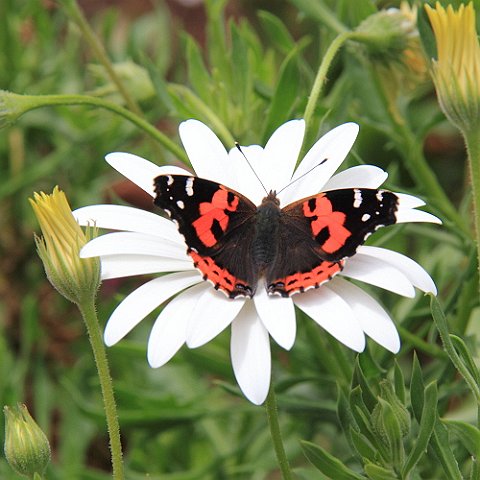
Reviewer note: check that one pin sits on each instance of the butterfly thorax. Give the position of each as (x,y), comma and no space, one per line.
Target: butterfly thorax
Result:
(264,245)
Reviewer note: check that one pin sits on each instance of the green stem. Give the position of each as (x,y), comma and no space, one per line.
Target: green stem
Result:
(89,314)
(78,17)
(317,88)
(272,415)
(472,141)
(31,102)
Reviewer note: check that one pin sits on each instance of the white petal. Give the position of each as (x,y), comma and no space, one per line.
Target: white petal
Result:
(142,301)
(411,269)
(278,316)
(408,201)
(118,217)
(411,215)
(370,270)
(140,171)
(331,149)
(118,266)
(361,176)
(205,151)
(281,154)
(244,179)
(210,316)
(373,319)
(133,243)
(250,352)
(169,331)
(332,313)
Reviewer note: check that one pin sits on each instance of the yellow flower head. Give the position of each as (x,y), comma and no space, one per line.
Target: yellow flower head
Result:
(75,278)
(456,72)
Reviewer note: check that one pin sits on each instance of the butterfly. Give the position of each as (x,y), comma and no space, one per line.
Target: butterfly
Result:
(235,244)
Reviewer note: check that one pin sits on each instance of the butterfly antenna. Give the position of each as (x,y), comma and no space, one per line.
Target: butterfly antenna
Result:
(250,165)
(301,176)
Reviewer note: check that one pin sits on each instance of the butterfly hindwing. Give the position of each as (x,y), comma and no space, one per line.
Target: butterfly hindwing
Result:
(217,224)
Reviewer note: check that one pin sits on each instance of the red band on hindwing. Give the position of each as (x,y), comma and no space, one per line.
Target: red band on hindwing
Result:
(325,217)
(214,211)
(300,282)
(221,278)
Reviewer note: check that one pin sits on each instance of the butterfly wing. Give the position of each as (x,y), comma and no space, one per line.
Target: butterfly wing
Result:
(325,229)
(217,224)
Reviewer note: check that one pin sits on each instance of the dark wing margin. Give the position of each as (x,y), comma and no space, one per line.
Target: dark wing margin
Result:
(218,227)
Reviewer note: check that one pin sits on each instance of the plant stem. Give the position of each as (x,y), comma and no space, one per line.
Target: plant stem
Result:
(31,102)
(317,88)
(89,314)
(472,141)
(78,17)
(272,415)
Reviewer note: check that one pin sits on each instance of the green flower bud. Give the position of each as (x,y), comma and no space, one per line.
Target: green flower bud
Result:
(26,447)
(75,278)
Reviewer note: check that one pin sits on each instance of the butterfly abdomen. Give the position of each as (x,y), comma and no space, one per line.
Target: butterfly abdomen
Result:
(264,246)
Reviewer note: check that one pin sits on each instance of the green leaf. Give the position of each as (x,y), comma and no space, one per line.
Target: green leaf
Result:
(427,37)
(276,31)
(327,463)
(427,423)
(285,94)
(399,382)
(363,446)
(393,432)
(441,446)
(417,388)
(369,397)
(468,435)
(465,354)
(354,12)
(375,472)
(241,68)
(198,74)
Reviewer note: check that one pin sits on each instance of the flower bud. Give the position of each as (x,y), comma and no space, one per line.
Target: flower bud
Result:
(389,401)
(26,447)
(456,70)
(75,278)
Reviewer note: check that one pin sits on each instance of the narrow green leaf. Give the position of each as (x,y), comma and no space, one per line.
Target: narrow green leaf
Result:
(393,432)
(442,326)
(276,31)
(468,435)
(327,463)
(417,388)
(369,397)
(363,446)
(465,354)
(427,423)
(239,58)
(426,34)
(441,446)
(285,94)
(399,382)
(198,74)
(375,472)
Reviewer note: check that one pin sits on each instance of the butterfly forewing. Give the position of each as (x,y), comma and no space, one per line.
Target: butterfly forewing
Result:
(216,223)
(341,220)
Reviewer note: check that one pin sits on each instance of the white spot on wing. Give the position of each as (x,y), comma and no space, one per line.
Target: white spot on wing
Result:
(180,204)
(365,217)
(379,195)
(169,179)
(189,186)
(357,199)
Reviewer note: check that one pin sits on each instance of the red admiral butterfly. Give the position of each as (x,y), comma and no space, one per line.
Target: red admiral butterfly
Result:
(234,243)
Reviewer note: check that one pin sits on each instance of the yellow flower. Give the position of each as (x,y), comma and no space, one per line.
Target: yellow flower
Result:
(75,278)
(456,72)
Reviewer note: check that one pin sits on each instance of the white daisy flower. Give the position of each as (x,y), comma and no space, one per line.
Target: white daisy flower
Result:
(146,243)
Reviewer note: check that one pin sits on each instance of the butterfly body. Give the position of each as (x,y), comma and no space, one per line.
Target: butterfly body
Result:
(236,245)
